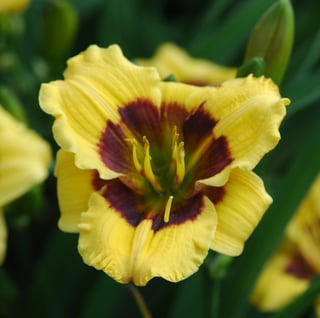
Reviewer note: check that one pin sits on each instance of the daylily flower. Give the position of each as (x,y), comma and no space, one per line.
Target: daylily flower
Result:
(24,161)
(153,174)
(297,261)
(10,6)
(172,60)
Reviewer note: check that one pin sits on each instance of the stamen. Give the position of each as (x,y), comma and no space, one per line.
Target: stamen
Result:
(178,156)
(136,162)
(175,136)
(167,209)
(147,168)
(181,169)
(196,155)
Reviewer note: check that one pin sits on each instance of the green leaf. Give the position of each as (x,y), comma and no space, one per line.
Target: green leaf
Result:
(60,280)
(189,298)
(118,24)
(8,293)
(223,42)
(303,93)
(211,15)
(12,104)
(103,298)
(306,62)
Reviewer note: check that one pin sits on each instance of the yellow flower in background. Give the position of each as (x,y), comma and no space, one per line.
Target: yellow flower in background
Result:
(153,174)
(290,271)
(24,161)
(172,60)
(9,6)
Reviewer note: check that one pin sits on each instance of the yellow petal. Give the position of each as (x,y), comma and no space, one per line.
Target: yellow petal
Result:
(187,96)
(172,60)
(3,237)
(243,203)
(304,229)
(25,158)
(74,187)
(138,253)
(249,112)
(186,107)
(275,288)
(97,82)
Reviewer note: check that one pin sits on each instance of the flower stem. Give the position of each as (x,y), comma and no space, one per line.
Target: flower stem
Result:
(145,313)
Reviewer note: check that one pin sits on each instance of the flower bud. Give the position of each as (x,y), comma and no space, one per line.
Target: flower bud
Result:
(218,265)
(60,24)
(272,39)
(255,66)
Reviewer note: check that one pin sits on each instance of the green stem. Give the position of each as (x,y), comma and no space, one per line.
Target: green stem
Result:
(215,298)
(145,313)
(207,292)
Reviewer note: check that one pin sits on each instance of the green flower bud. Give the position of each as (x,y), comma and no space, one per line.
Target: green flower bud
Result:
(218,265)
(272,39)
(60,24)
(255,66)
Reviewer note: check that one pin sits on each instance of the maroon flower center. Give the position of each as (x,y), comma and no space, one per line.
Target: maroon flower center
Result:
(161,153)
(299,267)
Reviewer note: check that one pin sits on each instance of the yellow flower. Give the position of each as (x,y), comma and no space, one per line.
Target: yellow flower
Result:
(153,174)
(171,60)
(24,159)
(289,272)
(10,6)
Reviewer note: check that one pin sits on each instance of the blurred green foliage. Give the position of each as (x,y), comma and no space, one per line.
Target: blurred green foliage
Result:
(43,275)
